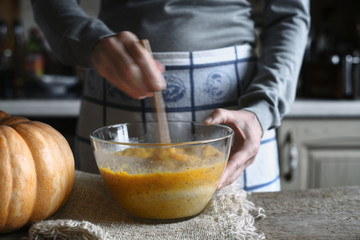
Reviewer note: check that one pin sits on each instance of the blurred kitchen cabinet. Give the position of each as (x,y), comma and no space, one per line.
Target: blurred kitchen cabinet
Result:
(318,153)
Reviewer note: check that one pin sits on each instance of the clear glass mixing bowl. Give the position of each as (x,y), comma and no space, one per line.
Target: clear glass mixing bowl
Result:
(162,182)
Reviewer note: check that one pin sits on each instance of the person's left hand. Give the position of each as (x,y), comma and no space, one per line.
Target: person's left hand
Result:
(247,140)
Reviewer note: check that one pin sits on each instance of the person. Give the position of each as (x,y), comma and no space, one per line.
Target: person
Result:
(205,64)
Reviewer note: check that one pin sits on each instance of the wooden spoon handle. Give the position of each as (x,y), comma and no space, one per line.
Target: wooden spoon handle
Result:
(163,128)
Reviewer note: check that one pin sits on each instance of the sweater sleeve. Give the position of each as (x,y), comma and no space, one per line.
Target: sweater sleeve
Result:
(283,39)
(70,32)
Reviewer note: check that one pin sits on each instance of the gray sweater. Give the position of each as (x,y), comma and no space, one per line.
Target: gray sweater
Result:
(189,25)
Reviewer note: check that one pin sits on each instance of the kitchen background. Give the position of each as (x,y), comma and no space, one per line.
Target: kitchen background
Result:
(319,140)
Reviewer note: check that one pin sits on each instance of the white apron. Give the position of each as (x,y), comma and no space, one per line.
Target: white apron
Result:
(197,83)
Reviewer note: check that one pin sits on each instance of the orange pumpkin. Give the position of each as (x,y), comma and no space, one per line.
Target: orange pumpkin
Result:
(36,171)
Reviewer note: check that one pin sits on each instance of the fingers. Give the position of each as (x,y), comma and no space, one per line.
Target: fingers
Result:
(242,155)
(233,170)
(159,66)
(150,69)
(220,116)
(127,65)
(246,145)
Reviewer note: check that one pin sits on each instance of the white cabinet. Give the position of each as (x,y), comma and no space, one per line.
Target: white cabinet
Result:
(328,152)
(338,166)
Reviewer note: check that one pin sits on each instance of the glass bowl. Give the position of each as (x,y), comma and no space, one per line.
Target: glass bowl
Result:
(162,182)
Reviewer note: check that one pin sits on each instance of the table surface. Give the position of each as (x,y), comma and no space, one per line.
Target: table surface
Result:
(329,213)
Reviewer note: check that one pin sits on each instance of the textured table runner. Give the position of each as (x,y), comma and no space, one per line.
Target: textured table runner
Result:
(91,213)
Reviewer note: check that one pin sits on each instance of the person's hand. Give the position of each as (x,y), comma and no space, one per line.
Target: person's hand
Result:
(247,140)
(127,65)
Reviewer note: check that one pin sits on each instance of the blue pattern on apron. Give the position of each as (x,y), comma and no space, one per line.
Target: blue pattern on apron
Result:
(197,83)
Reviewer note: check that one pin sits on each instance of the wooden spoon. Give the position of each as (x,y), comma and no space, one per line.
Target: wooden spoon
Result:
(163,128)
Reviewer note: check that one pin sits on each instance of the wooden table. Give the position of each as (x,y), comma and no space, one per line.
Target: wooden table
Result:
(331,213)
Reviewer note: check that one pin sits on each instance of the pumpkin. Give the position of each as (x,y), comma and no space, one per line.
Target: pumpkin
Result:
(36,171)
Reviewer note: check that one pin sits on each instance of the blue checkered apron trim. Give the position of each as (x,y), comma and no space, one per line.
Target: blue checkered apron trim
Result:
(197,83)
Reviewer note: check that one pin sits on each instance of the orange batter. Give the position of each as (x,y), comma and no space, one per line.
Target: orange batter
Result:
(182,191)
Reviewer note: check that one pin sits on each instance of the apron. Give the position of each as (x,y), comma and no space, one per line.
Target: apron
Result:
(197,83)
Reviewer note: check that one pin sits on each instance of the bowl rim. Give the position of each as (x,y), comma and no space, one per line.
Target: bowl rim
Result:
(133,144)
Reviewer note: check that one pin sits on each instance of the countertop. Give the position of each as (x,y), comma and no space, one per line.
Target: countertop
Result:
(328,213)
(305,108)
(41,107)
(302,108)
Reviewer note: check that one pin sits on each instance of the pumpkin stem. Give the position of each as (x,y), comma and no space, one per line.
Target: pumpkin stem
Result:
(3,115)
(6,119)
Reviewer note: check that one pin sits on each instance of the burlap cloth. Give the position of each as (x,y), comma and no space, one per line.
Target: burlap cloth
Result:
(91,213)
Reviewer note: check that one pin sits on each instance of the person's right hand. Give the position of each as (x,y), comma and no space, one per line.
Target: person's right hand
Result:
(127,65)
